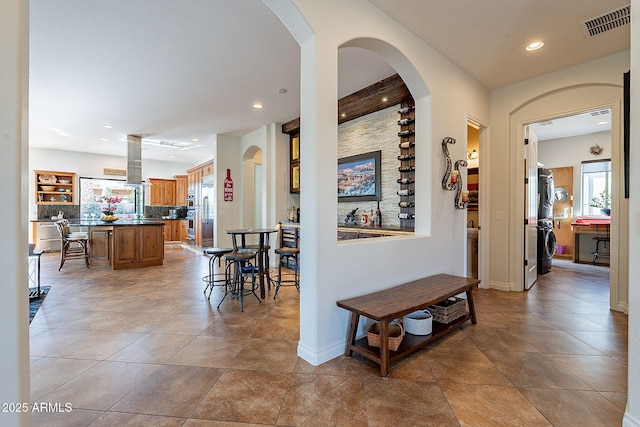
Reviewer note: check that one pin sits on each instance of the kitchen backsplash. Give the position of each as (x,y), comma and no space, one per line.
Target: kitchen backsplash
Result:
(73,211)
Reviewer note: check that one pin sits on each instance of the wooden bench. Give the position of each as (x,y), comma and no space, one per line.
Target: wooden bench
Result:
(389,304)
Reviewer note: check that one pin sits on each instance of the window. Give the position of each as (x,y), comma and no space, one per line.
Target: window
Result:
(596,183)
(91,189)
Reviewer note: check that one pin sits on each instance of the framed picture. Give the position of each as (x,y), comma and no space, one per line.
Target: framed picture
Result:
(294,184)
(295,148)
(359,177)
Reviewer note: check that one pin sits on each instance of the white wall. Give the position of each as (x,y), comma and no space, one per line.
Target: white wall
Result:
(14,325)
(632,415)
(565,152)
(228,214)
(331,271)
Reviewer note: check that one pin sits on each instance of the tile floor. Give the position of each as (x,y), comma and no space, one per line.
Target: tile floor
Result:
(144,347)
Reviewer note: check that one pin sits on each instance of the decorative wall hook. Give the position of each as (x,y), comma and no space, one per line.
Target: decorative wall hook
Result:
(454,177)
(462,197)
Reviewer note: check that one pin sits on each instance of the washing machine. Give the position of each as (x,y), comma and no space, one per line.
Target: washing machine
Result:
(546,245)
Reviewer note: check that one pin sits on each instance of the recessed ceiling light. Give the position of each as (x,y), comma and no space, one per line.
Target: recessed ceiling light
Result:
(385,99)
(534,46)
(171,157)
(195,139)
(107,126)
(343,115)
(258,106)
(282,90)
(104,139)
(602,123)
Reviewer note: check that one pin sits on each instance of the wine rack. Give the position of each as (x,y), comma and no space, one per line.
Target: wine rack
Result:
(406,169)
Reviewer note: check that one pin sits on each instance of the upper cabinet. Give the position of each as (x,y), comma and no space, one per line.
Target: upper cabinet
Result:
(294,163)
(55,188)
(181,189)
(163,192)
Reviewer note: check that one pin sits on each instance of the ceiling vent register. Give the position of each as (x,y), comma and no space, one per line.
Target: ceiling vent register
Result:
(607,22)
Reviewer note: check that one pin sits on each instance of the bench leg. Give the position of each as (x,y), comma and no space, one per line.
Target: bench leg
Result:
(472,308)
(351,335)
(384,349)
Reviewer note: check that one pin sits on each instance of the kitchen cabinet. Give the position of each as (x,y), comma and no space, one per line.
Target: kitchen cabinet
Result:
(195,187)
(100,239)
(294,163)
(55,188)
(137,246)
(181,189)
(46,236)
(163,192)
(173,230)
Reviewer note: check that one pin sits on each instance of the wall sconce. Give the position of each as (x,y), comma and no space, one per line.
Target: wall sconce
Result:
(472,155)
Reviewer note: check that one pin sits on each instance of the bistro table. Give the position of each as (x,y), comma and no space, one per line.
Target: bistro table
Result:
(263,242)
(585,225)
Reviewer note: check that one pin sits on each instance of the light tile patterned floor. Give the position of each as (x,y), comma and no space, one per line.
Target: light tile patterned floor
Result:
(144,347)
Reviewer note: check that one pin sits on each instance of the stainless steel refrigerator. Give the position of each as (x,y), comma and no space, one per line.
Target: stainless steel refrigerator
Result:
(208,210)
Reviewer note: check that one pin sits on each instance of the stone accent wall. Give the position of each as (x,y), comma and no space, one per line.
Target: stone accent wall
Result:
(375,131)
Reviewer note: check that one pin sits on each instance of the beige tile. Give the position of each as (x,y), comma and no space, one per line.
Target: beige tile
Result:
(610,343)
(446,367)
(534,370)
(73,418)
(47,374)
(601,373)
(403,402)
(96,345)
(214,352)
(354,366)
(278,328)
(555,341)
(185,324)
(575,407)
(486,338)
(264,353)
(245,396)
(332,400)
(110,419)
(618,399)
(491,405)
(101,386)
(169,390)
(214,423)
(152,348)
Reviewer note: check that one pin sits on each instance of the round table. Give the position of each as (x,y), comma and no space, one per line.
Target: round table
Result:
(263,242)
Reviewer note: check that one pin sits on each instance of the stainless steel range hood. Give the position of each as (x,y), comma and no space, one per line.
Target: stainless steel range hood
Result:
(134,160)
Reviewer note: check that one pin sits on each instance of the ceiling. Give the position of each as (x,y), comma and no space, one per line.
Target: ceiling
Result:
(176,71)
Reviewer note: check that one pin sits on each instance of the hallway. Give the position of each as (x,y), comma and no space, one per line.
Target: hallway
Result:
(144,347)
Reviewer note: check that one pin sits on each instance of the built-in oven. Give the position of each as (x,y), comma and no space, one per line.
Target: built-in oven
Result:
(191,226)
(191,201)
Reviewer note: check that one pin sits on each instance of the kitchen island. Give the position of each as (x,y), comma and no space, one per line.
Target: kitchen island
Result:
(123,243)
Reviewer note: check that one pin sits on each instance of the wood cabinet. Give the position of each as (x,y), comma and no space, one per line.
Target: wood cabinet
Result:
(195,187)
(294,163)
(163,192)
(174,230)
(137,246)
(181,189)
(100,239)
(55,188)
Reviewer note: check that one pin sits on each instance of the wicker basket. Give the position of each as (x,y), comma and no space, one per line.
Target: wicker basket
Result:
(449,310)
(48,179)
(396,334)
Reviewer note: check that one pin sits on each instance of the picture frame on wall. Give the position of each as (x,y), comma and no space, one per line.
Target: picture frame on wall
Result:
(359,177)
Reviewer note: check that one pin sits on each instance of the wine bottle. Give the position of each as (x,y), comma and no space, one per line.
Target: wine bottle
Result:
(404,133)
(378,216)
(407,144)
(406,157)
(404,215)
(406,169)
(406,204)
(372,219)
(405,110)
(405,122)
(405,181)
(405,192)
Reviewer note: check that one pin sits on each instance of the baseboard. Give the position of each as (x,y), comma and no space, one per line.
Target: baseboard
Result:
(630,421)
(500,286)
(622,307)
(320,357)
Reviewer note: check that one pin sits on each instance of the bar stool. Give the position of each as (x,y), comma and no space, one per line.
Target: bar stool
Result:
(243,268)
(288,250)
(210,279)
(74,244)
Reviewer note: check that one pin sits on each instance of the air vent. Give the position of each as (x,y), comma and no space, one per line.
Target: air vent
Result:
(608,21)
(547,123)
(599,113)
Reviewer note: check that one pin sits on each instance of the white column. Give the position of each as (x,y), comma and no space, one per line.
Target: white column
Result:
(14,307)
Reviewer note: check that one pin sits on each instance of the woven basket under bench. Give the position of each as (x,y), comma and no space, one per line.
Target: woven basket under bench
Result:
(448,310)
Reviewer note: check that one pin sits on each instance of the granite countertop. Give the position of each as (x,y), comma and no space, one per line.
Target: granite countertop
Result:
(99,223)
(358,227)
(76,221)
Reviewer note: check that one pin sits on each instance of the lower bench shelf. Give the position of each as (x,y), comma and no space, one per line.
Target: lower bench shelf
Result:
(389,304)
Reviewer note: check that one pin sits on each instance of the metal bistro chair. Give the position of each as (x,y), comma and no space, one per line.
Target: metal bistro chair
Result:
(210,279)
(243,266)
(604,251)
(73,244)
(288,251)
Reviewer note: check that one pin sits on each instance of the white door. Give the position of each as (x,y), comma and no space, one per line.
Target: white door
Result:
(531,208)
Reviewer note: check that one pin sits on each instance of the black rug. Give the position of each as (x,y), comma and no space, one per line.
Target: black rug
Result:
(34,303)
